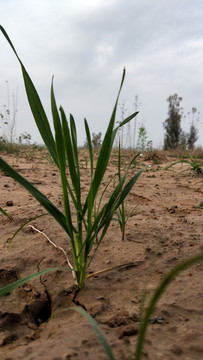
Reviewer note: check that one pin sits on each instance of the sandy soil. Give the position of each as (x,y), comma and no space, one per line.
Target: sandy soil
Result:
(163,230)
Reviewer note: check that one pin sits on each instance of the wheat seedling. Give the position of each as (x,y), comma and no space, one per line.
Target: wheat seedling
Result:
(121,214)
(62,146)
(196,168)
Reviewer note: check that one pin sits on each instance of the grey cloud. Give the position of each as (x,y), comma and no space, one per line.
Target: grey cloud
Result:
(159,42)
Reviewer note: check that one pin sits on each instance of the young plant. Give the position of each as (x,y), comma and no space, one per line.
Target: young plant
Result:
(62,146)
(196,168)
(121,214)
(200,206)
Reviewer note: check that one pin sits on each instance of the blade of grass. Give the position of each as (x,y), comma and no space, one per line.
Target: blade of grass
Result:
(61,156)
(80,218)
(122,123)
(36,106)
(117,197)
(104,191)
(102,163)
(89,142)
(104,154)
(120,199)
(97,330)
(177,162)
(5,213)
(14,285)
(74,143)
(41,198)
(129,186)
(121,211)
(70,157)
(156,296)
(103,221)
(23,225)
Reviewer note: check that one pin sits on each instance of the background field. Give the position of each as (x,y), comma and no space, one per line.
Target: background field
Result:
(164,229)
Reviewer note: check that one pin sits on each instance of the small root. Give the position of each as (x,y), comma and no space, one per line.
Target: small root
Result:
(57,247)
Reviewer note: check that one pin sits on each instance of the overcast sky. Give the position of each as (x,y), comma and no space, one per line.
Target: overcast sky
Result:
(86,43)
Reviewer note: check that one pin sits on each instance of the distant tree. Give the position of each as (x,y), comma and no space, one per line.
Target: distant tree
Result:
(192,136)
(183,140)
(127,133)
(172,125)
(8,116)
(142,138)
(136,104)
(96,140)
(25,137)
(120,134)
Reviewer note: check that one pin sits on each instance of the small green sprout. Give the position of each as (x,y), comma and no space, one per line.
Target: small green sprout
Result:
(121,214)
(196,168)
